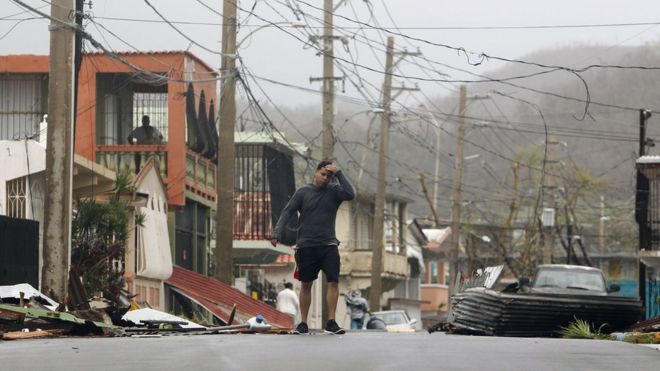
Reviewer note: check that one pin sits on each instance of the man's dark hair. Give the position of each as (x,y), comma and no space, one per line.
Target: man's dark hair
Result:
(323,164)
(288,285)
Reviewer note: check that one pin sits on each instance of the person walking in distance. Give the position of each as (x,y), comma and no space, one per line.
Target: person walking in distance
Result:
(287,301)
(316,244)
(358,307)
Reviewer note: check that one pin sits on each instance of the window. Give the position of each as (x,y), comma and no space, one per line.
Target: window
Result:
(123,100)
(153,105)
(22,105)
(17,198)
(434,272)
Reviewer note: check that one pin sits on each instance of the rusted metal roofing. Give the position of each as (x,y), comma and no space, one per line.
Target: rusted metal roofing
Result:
(218,298)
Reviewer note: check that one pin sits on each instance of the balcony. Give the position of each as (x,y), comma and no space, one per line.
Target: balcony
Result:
(131,158)
(200,175)
(252,216)
(358,264)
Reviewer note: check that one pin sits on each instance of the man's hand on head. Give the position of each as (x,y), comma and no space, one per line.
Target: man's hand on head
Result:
(333,168)
(273,241)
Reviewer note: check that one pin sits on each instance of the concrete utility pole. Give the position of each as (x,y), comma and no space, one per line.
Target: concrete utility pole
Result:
(224,237)
(328,81)
(59,154)
(601,229)
(549,199)
(379,212)
(457,187)
(642,204)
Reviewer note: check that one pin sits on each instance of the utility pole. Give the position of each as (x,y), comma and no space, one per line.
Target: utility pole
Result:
(457,187)
(328,81)
(376,288)
(59,154)
(549,211)
(224,237)
(642,204)
(601,234)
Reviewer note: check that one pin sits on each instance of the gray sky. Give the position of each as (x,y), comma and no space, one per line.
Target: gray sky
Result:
(273,54)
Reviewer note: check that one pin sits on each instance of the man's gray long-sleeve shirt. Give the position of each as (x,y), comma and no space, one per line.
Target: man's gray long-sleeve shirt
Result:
(318,211)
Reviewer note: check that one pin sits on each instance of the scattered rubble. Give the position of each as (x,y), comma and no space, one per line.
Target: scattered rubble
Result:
(25,313)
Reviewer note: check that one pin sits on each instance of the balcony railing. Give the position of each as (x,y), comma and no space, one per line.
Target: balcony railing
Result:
(359,263)
(252,216)
(200,170)
(131,157)
(200,174)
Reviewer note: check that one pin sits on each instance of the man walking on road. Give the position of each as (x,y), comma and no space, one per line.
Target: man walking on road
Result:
(287,301)
(316,244)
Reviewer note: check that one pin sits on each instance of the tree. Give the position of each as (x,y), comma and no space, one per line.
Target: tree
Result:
(99,234)
(516,233)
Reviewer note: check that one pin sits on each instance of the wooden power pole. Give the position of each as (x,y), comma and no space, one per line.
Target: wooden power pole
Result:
(59,154)
(379,240)
(224,230)
(457,187)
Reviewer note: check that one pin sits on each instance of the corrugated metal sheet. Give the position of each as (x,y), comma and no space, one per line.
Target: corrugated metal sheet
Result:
(219,298)
(488,312)
(22,105)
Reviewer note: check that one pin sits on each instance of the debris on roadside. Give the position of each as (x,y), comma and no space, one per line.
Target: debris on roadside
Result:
(644,332)
(29,314)
(18,335)
(553,300)
(151,318)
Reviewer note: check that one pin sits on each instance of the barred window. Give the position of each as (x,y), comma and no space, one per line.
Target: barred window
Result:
(154,105)
(17,198)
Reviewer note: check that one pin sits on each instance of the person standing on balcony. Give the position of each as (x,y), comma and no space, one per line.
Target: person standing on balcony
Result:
(316,243)
(145,134)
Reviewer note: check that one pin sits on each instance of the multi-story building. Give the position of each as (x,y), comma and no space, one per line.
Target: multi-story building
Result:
(176,90)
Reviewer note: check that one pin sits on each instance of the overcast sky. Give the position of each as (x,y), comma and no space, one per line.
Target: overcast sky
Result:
(271,53)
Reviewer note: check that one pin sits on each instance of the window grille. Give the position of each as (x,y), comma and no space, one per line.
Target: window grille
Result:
(153,105)
(17,198)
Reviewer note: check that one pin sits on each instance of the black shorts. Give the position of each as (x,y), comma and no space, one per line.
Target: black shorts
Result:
(312,259)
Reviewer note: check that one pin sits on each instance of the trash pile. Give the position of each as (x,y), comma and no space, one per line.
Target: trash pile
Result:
(26,313)
(645,332)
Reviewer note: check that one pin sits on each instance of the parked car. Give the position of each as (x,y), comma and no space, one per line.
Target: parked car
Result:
(570,279)
(390,320)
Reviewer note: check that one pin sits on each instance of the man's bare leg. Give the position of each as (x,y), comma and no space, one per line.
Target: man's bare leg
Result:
(306,300)
(331,298)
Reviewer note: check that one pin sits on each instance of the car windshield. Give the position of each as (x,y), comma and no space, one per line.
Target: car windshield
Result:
(572,279)
(392,318)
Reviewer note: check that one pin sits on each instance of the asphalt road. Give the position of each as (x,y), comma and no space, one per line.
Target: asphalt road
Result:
(355,351)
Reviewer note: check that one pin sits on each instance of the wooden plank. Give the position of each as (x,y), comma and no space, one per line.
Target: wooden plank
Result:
(17,335)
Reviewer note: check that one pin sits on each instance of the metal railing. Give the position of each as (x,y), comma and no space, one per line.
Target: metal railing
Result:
(252,216)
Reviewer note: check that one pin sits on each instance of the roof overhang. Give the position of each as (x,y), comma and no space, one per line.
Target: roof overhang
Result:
(258,251)
(90,178)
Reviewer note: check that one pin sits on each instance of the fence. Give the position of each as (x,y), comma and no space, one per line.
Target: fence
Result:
(652,300)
